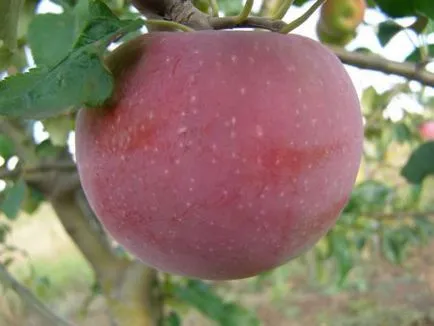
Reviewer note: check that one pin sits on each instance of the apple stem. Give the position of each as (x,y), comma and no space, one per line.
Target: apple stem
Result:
(282,9)
(244,14)
(168,24)
(214,8)
(300,20)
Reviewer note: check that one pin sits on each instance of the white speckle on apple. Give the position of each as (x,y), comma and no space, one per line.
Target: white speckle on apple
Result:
(234,58)
(243,91)
(259,131)
(182,130)
(193,98)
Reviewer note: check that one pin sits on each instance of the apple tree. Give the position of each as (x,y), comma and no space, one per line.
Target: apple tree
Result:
(203,152)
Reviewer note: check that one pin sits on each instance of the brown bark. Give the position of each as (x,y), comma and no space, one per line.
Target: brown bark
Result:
(130,288)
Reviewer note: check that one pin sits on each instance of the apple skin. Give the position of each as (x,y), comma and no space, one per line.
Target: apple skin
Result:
(426,130)
(342,16)
(222,154)
(333,39)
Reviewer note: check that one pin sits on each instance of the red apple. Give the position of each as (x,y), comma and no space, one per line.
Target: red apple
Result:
(223,154)
(426,130)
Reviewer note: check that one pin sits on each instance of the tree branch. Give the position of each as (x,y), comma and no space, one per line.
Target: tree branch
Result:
(185,13)
(129,286)
(377,63)
(400,215)
(48,317)
(5,173)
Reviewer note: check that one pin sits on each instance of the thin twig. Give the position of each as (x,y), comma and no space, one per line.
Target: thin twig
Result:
(48,316)
(300,20)
(244,14)
(282,9)
(44,167)
(214,8)
(400,215)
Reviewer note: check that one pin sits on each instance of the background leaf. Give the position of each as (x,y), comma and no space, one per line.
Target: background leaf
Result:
(14,198)
(420,164)
(200,295)
(51,37)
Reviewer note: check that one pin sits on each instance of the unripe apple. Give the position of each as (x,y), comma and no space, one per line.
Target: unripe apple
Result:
(426,130)
(222,154)
(342,17)
(339,39)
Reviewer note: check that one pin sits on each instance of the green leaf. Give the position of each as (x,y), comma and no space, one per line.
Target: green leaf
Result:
(172,320)
(425,7)
(397,8)
(230,7)
(7,148)
(369,99)
(79,79)
(14,198)
(340,249)
(394,243)
(420,164)
(416,55)
(65,4)
(9,16)
(201,296)
(59,128)
(51,37)
(32,200)
(401,132)
(4,230)
(387,30)
(368,196)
